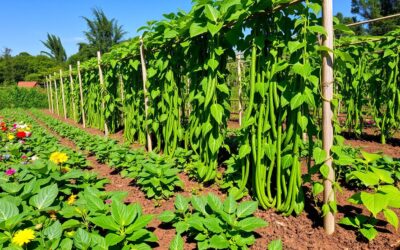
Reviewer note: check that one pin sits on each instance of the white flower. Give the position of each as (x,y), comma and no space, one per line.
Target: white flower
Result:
(34,158)
(21,125)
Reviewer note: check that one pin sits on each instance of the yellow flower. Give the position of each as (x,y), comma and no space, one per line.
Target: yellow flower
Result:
(71,200)
(58,157)
(23,237)
(10,136)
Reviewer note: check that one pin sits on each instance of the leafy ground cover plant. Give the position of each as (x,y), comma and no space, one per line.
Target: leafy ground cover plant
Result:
(375,173)
(213,223)
(50,203)
(156,175)
(159,178)
(113,224)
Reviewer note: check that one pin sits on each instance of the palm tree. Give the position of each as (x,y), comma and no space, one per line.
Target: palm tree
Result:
(103,33)
(57,51)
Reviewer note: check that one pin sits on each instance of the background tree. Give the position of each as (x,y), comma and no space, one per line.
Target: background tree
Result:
(103,33)
(358,30)
(85,52)
(7,74)
(25,67)
(370,9)
(57,51)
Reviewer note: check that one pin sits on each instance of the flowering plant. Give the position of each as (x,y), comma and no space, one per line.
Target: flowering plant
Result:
(58,157)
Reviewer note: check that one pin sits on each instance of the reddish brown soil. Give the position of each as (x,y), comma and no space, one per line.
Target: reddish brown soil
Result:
(370,142)
(302,232)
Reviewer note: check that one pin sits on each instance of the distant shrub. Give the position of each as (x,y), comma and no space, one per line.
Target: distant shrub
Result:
(14,97)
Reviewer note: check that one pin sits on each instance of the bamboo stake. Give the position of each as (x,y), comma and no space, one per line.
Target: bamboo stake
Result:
(239,72)
(103,109)
(63,95)
(81,94)
(51,95)
(187,96)
(71,81)
(146,98)
(327,93)
(55,89)
(373,20)
(48,93)
(121,84)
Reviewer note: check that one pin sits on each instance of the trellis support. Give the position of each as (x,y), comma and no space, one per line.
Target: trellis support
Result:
(146,98)
(81,94)
(327,114)
(63,95)
(103,105)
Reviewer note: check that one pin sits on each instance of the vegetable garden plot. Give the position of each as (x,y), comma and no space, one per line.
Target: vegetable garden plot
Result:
(75,213)
(183,60)
(368,77)
(275,230)
(186,60)
(47,201)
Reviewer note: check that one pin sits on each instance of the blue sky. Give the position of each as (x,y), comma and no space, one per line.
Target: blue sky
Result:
(26,22)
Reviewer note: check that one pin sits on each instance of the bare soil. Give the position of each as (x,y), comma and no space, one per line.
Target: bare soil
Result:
(302,232)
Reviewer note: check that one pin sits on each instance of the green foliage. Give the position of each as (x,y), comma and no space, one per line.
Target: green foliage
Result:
(213,223)
(54,45)
(102,33)
(159,179)
(379,174)
(25,67)
(275,245)
(14,97)
(63,205)
(156,175)
(368,80)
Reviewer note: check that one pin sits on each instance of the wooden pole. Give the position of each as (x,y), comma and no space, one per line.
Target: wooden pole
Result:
(374,20)
(55,89)
(146,98)
(71,83)
(63,95)
(81,95)
(189,110)
(103,109)
(327,114)
(51,95)
(48,93)
(121,85)
(239,72)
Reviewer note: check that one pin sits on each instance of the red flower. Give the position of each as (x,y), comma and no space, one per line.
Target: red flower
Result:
(3,126)
(21,135)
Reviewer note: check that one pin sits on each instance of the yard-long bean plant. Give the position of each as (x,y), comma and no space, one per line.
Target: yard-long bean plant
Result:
(368,78)
(283,86)
(186,57)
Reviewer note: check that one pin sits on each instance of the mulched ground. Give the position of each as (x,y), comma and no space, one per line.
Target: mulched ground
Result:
(302,232)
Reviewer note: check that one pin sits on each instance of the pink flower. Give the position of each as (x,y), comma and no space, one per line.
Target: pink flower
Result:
(108,201)
(11,171)
(24,157)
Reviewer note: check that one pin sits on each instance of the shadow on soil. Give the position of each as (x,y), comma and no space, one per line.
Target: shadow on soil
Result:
(371,138)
